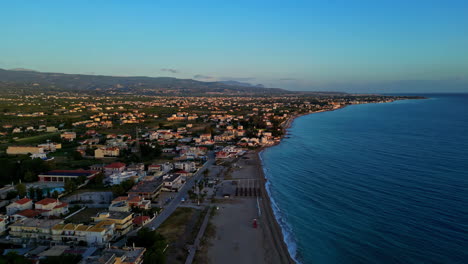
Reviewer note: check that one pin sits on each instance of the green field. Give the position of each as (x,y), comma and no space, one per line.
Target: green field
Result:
(38,139)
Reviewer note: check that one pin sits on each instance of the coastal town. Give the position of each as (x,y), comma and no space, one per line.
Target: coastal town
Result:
(134,178)
(233,132)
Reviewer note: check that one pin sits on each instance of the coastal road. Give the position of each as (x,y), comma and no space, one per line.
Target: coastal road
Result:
(169,209)
(172,206)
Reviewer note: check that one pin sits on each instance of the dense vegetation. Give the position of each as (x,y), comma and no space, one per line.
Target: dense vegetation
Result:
(154,243)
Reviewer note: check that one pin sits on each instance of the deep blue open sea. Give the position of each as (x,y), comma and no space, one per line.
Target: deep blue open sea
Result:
(375,183)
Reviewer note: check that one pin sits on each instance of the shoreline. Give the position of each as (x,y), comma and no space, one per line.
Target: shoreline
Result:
(274,231)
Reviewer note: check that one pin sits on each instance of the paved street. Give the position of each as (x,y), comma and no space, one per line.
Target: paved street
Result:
(172,206)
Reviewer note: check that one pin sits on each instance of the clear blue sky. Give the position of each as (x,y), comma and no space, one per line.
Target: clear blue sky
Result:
(300,45)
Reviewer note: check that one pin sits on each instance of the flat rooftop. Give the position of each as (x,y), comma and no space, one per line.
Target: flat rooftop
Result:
(39,223)
(115,215)
(147,186)
(72,173)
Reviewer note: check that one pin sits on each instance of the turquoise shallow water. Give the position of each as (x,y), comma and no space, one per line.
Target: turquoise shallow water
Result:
(375,183)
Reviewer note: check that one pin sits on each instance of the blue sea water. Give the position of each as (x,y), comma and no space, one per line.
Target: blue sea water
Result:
(375,183)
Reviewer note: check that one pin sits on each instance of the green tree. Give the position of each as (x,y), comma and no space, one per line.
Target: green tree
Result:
(97,181)
(150,151)
(30,176)
(81,179)
(21,189)
(9,169)
(11,194)
(70,185)
(117,190)
(89,152)
(14,258)
(127,185)
(55,194)
(76,155)
(154,242)
(39,194)
(31,193)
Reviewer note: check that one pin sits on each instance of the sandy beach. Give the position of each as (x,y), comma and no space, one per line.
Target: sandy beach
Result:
(236,240)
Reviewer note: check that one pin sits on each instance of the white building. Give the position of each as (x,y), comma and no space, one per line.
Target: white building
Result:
(51,207)
(20,205)
(186,166)
(172,182)
(167,167)
(51,146)
(120,177)
(3,223)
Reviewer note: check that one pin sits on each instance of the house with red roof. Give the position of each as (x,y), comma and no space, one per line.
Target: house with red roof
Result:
(27,213)
(116,167)
(19,205)
(183,173)
(51,207)
(141,220)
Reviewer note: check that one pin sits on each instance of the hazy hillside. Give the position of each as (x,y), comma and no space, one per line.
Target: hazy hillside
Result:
(25,79)
(236,83)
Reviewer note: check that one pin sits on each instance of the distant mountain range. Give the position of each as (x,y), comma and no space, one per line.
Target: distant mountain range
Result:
(236,83)
(29,79)
(22,69)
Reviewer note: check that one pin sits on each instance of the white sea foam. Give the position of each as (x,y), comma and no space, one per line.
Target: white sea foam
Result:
(286,229)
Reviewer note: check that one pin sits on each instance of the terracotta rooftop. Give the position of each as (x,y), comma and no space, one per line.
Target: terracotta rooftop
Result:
(134,199)
(46,201)
(139,220)
(120,198)
(60,205)
(29,213)
(115,165)
(23,201)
